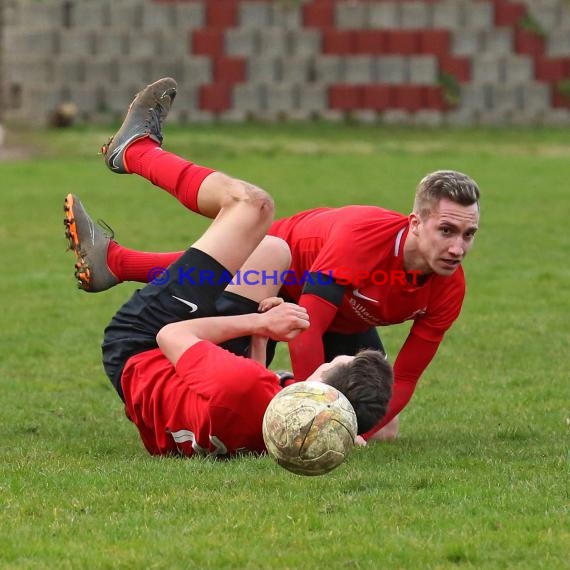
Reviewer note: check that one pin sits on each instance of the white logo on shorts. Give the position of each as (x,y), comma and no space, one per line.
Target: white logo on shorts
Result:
(193,306)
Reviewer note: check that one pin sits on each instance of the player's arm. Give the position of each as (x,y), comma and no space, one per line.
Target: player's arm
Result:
(258,344)
(281,323)
(413,358)
(422,344)
(258,349)
(321,300)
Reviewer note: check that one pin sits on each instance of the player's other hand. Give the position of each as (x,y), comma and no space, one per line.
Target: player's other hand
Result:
(269,303)
(284,321)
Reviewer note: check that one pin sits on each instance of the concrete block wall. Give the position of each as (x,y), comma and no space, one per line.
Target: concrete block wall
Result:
(426,62)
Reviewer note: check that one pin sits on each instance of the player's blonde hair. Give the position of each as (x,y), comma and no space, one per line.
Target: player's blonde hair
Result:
(450,184)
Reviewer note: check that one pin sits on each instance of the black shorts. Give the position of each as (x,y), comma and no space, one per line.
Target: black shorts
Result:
(195,281)
(336,344)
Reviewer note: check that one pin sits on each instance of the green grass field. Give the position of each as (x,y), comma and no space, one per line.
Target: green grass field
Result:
(479,477)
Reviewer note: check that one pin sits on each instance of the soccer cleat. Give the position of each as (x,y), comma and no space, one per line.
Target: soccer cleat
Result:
(89,244)
(144,118)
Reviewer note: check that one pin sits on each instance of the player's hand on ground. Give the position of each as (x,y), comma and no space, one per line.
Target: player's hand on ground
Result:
(389,432)
(285,321)
(359,441)
(269,303)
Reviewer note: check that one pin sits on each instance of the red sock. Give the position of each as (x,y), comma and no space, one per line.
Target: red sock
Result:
(168,171)
(142,266)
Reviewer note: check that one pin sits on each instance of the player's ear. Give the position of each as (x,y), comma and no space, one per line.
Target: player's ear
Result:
(414,223)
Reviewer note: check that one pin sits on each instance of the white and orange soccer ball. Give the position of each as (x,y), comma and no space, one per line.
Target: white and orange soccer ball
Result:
(309,428)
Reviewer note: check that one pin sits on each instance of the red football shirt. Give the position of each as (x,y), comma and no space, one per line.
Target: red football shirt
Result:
(211,403)
(361,247)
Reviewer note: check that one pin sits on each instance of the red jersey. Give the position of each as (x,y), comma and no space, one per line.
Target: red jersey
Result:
(211,403)
(361,247)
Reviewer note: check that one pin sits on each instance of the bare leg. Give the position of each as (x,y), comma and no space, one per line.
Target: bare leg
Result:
(260,275)
(244,214)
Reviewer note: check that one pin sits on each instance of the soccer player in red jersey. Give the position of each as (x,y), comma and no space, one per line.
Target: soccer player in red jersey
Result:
(186,394)
(385,268)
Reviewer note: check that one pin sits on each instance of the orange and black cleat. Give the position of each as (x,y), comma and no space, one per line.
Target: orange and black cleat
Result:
(89,244)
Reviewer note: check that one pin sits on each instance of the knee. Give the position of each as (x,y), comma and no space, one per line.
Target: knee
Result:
(277,250)
(249,195)
(262,202)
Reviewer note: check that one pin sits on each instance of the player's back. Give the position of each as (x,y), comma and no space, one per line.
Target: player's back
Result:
(328,239)
(319,222)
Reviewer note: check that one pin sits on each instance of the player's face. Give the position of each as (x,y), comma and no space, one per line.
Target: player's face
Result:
(317,375)
(445,237)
